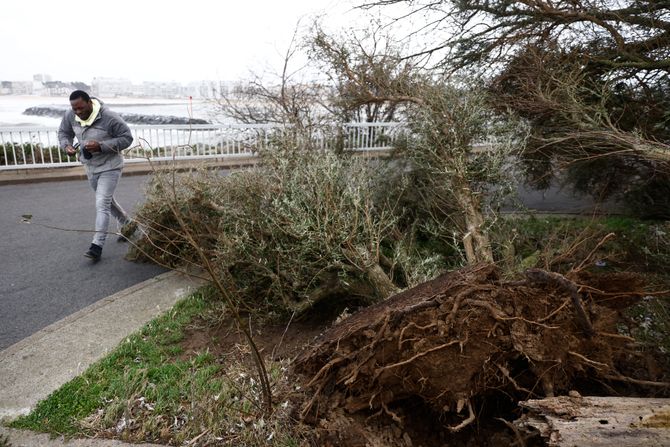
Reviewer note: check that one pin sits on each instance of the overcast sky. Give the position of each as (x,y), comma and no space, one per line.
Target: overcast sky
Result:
(153,40)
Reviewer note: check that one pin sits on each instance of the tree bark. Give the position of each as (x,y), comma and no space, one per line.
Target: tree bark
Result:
(598,421)
(476,242)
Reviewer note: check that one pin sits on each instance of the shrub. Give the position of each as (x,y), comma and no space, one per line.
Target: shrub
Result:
(302,228)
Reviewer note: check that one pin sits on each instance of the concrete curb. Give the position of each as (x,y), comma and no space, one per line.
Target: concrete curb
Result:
(33,368)
(25,438)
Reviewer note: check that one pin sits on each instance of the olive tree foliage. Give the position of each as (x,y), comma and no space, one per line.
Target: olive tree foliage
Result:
(610,138)
(302,228)
(448,145)
(591,77)
(378,57)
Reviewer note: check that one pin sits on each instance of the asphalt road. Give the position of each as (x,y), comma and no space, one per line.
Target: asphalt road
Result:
(557,200)
(44,276)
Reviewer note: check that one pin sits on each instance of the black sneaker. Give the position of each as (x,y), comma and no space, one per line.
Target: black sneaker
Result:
(127,231)
(94,252)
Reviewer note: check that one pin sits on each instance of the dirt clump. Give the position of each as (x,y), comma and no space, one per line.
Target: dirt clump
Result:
(446,362)
(276,341)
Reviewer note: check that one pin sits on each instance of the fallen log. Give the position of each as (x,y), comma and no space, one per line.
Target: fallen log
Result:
(568,421)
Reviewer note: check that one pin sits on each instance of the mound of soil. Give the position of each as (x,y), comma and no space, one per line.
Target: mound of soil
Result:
(274,340)
(449,359)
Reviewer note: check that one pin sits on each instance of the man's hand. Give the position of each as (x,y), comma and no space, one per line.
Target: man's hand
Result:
(70,150)
(92,146)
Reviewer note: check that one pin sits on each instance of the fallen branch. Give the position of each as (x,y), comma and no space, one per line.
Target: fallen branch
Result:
(597,421)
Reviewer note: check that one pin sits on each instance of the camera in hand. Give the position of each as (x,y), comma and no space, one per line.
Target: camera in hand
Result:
(86,154)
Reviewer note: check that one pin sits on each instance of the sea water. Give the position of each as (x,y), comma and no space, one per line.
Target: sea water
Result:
(12,108)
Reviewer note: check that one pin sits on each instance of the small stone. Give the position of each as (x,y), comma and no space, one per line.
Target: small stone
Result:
(574,393)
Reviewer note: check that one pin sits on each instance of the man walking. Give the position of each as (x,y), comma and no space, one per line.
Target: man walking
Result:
(101,136)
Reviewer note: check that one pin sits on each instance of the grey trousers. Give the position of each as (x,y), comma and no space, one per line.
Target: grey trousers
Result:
(104,185)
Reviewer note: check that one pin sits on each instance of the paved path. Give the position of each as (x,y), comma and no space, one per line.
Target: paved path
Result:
(38,365)
(44,276)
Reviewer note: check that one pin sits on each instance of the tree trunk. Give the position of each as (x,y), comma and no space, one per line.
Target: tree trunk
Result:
(380,281)
(598,421)
(476,241)
(374,273)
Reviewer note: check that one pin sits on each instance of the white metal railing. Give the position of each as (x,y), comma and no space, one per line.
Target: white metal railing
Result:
(37,147)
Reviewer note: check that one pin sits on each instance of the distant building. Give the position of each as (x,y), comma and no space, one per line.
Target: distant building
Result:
(80,86)
(39,89)
(207,89)
(5,88)
(58,88)
(21,87)
(163,90)
(111,87)
(43,85)
(41,77)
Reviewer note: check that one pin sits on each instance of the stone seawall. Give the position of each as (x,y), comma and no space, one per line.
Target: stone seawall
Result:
(130,118)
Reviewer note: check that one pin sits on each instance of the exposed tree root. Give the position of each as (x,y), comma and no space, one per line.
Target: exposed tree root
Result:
(462,338)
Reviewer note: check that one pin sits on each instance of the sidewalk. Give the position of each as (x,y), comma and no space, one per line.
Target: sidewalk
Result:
(33,368)
(37,175)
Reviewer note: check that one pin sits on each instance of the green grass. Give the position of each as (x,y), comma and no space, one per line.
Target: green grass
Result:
(149,390)
(143,358)
(534,242)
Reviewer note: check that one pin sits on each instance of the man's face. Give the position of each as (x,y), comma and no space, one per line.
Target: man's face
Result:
(82,108)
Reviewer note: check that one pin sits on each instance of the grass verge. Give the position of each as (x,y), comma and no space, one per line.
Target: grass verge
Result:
(148,389)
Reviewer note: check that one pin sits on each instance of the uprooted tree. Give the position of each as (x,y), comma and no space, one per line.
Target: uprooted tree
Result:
(305,229)
(590,76)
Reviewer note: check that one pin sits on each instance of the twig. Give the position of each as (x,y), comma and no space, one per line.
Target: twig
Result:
(558,309)
(193,441)
(593,363)
(621,378)
(499,315)
(412,324)
(509,377)
(324,369)
(278,345)
(598,245)
(225,293)
(309,405)
(622,337)
(394,416)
